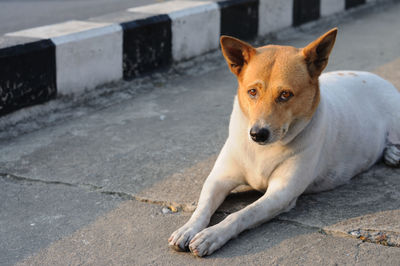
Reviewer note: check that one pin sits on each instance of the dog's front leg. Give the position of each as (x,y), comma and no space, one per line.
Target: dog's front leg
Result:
(224,177)
(283,189)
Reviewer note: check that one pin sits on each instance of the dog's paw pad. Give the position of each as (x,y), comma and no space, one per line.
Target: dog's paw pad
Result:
(391,155)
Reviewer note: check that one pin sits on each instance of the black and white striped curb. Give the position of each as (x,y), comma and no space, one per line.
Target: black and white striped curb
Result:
(39,63)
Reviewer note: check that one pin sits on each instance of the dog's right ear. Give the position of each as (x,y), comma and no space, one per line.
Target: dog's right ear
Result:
(236,52)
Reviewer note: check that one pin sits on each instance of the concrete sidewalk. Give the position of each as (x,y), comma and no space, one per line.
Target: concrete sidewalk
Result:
(95,189)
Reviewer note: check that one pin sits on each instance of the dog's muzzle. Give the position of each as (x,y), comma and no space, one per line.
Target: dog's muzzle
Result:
(259,135)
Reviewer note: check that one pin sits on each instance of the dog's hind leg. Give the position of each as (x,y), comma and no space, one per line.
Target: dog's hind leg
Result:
(391,154)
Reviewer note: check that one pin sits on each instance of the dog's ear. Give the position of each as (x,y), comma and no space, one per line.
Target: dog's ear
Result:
(317,53)
(236,52)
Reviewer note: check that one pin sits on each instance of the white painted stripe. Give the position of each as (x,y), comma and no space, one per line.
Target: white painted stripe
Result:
(87,34)
(89,58)
(274,15)
(329,7)
(88,54)
(195,25)
(205,7)
(57,30)
(168,7)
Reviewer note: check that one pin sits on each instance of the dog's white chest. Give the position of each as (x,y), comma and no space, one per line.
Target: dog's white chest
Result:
(257,175)
(259,162)
(258,180)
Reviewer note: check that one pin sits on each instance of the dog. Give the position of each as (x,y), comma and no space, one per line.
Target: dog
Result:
(292,131)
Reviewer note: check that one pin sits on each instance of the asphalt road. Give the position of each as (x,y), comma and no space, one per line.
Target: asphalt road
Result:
(22,14)
(86,180)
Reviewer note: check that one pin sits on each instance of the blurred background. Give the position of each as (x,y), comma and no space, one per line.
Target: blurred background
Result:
(17,15)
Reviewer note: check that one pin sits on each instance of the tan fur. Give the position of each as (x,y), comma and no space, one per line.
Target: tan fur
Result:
(272,69)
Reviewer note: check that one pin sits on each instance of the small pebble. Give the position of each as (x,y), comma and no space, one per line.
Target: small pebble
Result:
(173,209)
(355,233)
(165,210)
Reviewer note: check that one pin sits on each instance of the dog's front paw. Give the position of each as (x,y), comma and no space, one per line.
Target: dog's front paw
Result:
(179,240)
(208,241)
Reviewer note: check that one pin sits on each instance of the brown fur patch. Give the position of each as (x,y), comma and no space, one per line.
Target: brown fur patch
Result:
(273,69)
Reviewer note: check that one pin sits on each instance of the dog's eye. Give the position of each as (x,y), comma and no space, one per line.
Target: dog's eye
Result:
(252,92)
(285,96)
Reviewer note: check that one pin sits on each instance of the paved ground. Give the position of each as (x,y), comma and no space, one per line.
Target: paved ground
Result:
(84,181)
(22,14)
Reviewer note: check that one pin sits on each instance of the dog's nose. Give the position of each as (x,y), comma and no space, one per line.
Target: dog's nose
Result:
(259,134)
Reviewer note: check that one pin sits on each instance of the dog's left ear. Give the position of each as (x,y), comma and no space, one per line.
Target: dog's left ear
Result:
(317,53)
(237,53)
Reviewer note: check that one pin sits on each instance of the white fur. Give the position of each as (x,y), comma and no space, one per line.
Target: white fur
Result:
(346,135)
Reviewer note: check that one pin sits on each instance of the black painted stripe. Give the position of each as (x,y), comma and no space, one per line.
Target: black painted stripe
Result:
(353,3)
(27,75)
(305,11)
(146,45)
(239,18)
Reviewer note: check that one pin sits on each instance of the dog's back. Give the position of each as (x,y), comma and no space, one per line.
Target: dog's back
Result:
(360,110)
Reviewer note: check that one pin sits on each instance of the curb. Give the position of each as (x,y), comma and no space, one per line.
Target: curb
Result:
(40,63)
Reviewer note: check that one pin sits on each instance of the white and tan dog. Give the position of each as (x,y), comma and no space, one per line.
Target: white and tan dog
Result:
(292,130)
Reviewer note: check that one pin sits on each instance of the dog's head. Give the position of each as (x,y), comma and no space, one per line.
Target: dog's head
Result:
(278,85)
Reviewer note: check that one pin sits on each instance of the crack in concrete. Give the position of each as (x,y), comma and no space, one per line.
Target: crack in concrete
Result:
(382,237)
(99,189)
(377,231)
(46,182)
(357,251)
(312,227)
(379,237)
(374,236)
(170,204)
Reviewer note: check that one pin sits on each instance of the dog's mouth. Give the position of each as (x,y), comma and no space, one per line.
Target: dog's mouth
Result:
(262,143)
